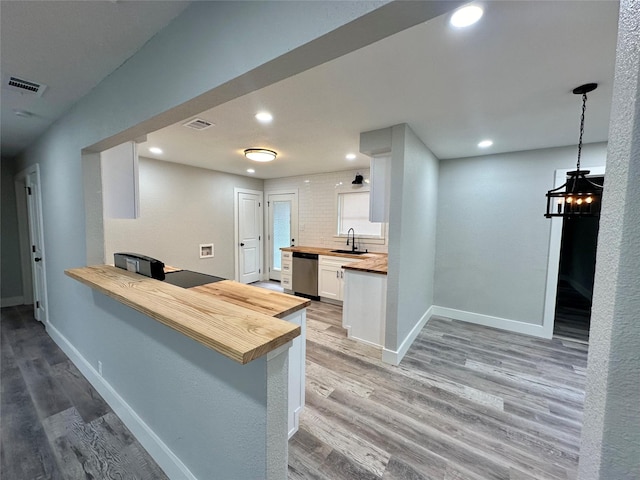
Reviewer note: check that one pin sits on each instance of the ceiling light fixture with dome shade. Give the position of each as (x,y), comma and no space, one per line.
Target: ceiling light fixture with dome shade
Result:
(260,154)
(579,196)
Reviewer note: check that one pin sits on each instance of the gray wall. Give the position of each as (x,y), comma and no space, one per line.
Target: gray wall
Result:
(492,237)
(412,235)
(181,207)
(611,431)
(11,270)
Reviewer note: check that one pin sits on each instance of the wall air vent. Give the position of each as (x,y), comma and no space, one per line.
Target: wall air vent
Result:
(198,124)
(23,86)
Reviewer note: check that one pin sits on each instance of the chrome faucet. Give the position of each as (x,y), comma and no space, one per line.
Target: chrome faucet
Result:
(353,237)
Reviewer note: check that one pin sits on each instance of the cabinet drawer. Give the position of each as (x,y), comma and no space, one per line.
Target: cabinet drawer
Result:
(286,267)
(287,256)
(285,281)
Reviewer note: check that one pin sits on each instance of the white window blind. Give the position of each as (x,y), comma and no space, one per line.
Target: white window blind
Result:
(353,212)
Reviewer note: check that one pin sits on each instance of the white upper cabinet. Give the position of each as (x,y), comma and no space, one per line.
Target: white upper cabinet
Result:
(119,169)
(377,145)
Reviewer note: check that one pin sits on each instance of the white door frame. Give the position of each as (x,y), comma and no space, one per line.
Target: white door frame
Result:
(24,218)
(236,232)
(553,265)
(267,222)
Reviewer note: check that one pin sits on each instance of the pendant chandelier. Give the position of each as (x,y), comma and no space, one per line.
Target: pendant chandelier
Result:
(579,196)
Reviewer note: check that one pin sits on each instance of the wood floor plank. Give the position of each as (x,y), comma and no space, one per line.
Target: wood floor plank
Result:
(88,402)
(43,401)
(467,403)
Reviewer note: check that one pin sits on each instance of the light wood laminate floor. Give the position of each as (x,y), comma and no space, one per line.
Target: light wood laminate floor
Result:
(55,425)
(467,402)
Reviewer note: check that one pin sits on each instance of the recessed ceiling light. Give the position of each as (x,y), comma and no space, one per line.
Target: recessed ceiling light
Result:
(351,156)
(466,16)
(485,143)
(260,154)
(155,150)
(250,170)
(264,117)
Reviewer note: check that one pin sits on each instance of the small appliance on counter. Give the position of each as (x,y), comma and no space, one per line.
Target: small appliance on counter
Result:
(134,262)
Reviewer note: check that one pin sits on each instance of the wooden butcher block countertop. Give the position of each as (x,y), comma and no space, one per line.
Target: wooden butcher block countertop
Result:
(371,265)
(239,333)
(370,262)
(269,302)
(331,253)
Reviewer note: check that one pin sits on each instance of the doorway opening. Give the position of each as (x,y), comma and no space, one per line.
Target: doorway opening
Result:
(576,273)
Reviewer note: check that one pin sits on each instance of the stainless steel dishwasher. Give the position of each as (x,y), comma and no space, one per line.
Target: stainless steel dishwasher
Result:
(305,274)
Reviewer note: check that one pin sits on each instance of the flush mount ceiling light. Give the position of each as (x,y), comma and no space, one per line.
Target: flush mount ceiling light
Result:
(579,196)
(466,16)
(260,154)
(264,117)
(155,150)
(250,170)
(350,156)
(485,143)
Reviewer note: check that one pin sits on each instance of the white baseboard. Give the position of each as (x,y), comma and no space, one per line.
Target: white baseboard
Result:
(395,357)
(515,326)
(11,301)
(159,451)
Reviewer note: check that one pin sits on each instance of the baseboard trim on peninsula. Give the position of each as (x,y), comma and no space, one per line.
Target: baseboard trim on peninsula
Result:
(11,301)
(395,357)
(159,451)
(488,321)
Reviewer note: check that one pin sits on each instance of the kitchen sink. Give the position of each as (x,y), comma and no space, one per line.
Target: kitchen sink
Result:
(350,252)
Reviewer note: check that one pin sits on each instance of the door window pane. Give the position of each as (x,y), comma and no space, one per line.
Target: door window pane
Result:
(281,230)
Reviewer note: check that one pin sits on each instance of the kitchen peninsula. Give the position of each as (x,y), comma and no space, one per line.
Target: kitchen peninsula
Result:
(357,280)
(252,327)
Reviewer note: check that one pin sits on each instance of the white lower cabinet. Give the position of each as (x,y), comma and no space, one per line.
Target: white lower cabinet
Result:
(286,273)
(365,307)
(331,276)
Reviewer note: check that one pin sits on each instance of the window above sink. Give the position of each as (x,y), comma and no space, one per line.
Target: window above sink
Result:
(352,211)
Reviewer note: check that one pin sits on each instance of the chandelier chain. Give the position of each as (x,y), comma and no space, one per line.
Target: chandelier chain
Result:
(584,107)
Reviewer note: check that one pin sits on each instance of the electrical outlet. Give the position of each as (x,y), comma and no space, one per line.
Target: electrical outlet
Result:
(99,367)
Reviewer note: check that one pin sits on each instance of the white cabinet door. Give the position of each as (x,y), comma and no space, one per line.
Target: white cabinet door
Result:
(331,276)
(329,281)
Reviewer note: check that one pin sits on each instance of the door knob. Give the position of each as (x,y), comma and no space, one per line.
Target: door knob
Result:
(37,259)
(242,244)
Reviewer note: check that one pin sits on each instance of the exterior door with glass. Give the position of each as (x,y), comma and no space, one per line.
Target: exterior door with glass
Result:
(283,227)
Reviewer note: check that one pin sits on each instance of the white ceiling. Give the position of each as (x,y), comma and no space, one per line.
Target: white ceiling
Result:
(70,46)
(508,78)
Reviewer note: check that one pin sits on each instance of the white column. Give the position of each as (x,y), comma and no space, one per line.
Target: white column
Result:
(610,447)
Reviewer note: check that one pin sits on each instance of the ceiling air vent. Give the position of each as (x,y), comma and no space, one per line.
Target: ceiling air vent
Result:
(23,86)
(198,124)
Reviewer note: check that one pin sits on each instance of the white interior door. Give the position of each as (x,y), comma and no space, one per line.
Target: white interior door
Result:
(31,179)
(283,227)
(249,234)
